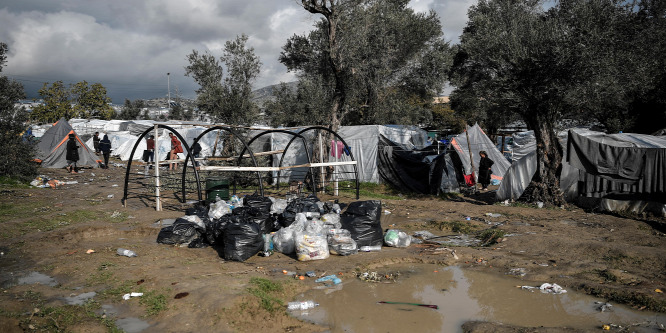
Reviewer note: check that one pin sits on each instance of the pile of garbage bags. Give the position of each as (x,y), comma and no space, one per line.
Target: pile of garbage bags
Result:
(305,227)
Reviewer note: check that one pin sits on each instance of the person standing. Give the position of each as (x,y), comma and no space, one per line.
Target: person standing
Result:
(105,148)
(485,165)
(176,148)
(72,155)
(148,155)
(96,142)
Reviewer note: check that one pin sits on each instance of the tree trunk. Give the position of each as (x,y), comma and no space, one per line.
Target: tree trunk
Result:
(545,184)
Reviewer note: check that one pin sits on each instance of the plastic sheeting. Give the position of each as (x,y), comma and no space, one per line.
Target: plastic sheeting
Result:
(421,171)
(478,141)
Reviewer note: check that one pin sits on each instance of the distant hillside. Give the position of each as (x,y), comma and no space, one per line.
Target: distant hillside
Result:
(262,95)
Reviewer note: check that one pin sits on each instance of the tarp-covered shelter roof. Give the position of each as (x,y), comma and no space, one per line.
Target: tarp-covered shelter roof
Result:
(52,147)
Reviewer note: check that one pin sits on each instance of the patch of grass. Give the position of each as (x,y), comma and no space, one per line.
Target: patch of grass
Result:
(49,223)
(119,290)
(265,290)
(16,208)
(154,302)
(13,182)
(490,236)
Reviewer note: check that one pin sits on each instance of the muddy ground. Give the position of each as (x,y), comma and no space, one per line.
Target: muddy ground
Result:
(50,231)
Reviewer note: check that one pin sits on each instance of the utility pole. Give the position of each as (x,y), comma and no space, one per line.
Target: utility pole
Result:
(169,94)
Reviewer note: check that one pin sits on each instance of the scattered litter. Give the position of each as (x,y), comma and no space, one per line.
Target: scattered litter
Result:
(397,238)
(116,214)
(517,271)
(493,214)
(539,204)
(386,212)
(92,174)
(301,305)
(547,288)
(467,218)
(333,278)
(658,291)
(370,248)
(114,185)
(110,196)
(604,306)
(424,234)
(126,253)
(415,304)
(377,277)
(90,251)
(505,202)
(310,274)
(128,296)
(288,273)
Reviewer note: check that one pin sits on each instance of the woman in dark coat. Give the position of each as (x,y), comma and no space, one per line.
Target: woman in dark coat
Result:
(105,148)
(72,153)
(485,170)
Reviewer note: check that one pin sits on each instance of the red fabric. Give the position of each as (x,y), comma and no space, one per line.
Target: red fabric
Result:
(469,179)
(175,145)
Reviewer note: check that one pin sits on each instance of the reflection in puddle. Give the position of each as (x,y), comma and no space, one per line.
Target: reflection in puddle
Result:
(32,278)
(80,299)
(461,296)
(132,325)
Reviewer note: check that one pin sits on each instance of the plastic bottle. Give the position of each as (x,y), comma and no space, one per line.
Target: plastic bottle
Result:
(126,253)
(370,248)
(301,305)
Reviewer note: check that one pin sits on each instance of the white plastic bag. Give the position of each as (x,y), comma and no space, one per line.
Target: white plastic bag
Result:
(311,247)
(218,209)
(397,238)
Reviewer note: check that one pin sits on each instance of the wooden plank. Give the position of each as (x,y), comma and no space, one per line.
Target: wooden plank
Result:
(272,152)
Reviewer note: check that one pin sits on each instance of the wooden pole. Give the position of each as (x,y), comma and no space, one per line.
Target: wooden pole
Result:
(156,159)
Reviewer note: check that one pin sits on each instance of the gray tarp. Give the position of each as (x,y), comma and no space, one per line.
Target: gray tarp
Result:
(618,163)
(478,142)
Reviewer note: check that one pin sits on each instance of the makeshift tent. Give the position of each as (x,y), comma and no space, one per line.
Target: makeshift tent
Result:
(52,147)
(478,141)
(520,173)
(421,171)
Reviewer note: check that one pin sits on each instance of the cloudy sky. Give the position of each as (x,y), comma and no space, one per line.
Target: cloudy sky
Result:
(129,46)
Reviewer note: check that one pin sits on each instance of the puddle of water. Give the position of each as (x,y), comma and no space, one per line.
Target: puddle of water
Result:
(10,280)
(132,324)
(461,296)
(80,299)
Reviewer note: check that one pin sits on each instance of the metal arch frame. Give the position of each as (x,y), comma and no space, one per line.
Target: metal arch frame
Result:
(312,128)
(189,153)
(294,136)
(245,145)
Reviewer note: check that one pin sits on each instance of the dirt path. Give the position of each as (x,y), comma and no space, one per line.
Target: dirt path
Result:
(50,231)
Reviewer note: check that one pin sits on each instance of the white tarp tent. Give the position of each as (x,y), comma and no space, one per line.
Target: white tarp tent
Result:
(478,141)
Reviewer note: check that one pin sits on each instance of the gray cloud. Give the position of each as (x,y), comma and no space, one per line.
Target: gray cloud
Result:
(129,46)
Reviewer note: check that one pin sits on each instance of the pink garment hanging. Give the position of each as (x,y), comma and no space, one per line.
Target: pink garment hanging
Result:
(336,148)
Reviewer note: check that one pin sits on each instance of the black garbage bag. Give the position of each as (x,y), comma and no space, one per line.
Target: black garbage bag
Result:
(259,202)
(199,210)
(299,205)
(362,219)
(264,219)
(181,232)
(215,228)
(242,240)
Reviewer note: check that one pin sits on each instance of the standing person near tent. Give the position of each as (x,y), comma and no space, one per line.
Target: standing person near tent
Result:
(96,142)
(485,165)
(176,148)
(149,153)
(72,153)
(105,148)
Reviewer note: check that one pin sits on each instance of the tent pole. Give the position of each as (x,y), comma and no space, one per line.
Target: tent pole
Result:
(469,148)
(156,159)
(321,159)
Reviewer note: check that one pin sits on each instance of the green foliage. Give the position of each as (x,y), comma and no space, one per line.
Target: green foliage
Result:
(17,152)
(79,100)
(490,236)
(265,290)
(454,226)
(226,99)
(370,60)
(131,110)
